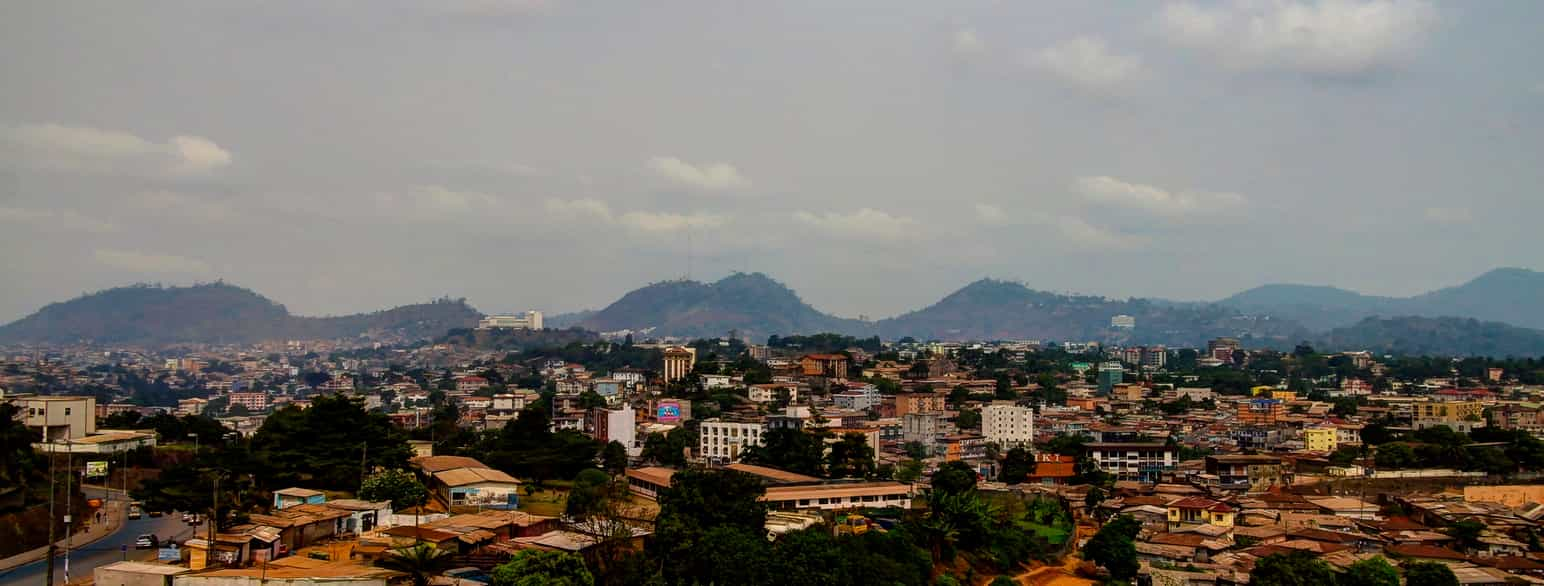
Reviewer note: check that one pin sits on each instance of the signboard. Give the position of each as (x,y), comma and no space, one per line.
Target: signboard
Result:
(96,469)
(668,412)
(170,553)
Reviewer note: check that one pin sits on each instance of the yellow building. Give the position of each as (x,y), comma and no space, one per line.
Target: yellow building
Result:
(1261,390)
(1460,416)
(1319,439)
(1198,510)
(1281,395)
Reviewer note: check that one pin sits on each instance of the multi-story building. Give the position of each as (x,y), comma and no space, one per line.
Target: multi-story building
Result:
(825,365)
(679,361)
(58,417)
(1123,322)
(922,427)
(1008,426)
(1253,473)
(1155,356)
(918,403)
(770,392)
(1222,348)
(1142,462)
(1461,416)
(252,402)
(721,442)
(1264,412)
(615,425)
(527,320)
(192,406)
(1321,438)
(1110,374)
(860,398)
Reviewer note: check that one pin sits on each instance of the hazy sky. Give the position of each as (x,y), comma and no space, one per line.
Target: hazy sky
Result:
(351,155)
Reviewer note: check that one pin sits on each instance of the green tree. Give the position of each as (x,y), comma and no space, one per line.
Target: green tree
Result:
(915,450)
(1373,571)
(531,567)
(420,562)
(954,478)
(614,457)
(1298,568)
(668,449)
(400,487)
(19,463)
(1017,465)
(968,419)
(1114,548)
(793,450)
(699,501)
(909,471)
(1429,574)
(1467,533)
(850,457)
(591,489)
(1395,456)
(325,445)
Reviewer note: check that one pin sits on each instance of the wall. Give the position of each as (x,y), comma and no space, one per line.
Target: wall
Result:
(1512,495)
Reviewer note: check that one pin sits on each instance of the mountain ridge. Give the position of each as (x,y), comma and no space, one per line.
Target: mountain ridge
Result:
(218,313)
(1508,295)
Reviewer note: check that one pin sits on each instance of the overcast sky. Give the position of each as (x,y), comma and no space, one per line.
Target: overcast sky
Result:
(348,156)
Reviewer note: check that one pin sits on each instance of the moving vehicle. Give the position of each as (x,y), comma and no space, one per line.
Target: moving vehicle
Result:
(156,513)
(136,510)
(146,541)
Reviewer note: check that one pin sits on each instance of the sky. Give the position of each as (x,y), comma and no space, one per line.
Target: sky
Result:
(342,156)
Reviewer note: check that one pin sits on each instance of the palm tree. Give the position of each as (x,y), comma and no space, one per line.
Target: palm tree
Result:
(418,561)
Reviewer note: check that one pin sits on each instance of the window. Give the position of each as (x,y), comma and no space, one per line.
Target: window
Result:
(66,411)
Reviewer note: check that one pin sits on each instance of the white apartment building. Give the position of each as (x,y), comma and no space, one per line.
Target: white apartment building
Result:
(1142,462)
(924,427)
(528,320)
(859,399)
(767,393)
(1008,426)
(724,441)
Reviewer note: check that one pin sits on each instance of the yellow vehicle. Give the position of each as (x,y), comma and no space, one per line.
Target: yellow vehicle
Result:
(852,525)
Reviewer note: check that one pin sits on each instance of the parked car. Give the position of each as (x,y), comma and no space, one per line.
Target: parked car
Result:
(146,541)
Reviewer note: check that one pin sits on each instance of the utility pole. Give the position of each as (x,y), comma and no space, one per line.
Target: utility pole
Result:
(364,454)
(214,513)
(69,533)
(52,548)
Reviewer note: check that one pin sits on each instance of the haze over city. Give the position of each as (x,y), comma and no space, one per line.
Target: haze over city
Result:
(347,156)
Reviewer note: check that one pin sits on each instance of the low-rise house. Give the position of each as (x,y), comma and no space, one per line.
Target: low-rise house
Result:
(462,481)
(1199,511)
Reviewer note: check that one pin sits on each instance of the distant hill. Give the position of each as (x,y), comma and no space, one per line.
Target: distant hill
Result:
(1435,336)
(218,313)
(751,303)
(991,309)
(567,320)
(511,340)
(1508,295)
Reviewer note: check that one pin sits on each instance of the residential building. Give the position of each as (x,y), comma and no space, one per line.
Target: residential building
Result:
(1192,511)
(192,406)
(721,441)
(252,402)
(1253,473)
(1263,412)
(919,403)
(1461,416)
(1155,356)
(771,392)
(859,399)
(1320,438)
(679,361)
(615,425)
(922,427)
(1139,461)
(1008,426)
(58,418)
(1110,374)
(824,365)
(462,481)
(1223,348)
(528,320)
(1053,469)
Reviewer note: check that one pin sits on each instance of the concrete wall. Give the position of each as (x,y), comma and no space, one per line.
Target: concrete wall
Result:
(1512,495)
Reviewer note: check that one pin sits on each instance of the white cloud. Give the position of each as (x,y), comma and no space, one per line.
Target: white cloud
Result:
(598,211)
(53,220)
(706,176)
(182,205)
(1337,38)
(865,224)
(1088,62)
(990,214)
(140,262)
(668,222)
(1449,215)
(1078,231)
(86,149)
(1155,200)
(579,208)
(968,43)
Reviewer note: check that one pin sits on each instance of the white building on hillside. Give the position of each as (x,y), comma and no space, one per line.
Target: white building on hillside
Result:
(1008,426)
(528,320)
(724,441)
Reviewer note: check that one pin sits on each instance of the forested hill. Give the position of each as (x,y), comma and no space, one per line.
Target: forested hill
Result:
(753,304)
(218,313)
(1435,336)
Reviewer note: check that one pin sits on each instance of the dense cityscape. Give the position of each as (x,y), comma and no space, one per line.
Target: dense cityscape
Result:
(817,458)
(788,293)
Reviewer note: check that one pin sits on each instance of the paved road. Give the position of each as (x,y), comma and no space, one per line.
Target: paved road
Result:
(106,551)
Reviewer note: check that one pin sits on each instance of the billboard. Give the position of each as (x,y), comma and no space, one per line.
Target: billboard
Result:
(668,412)
(96,469)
